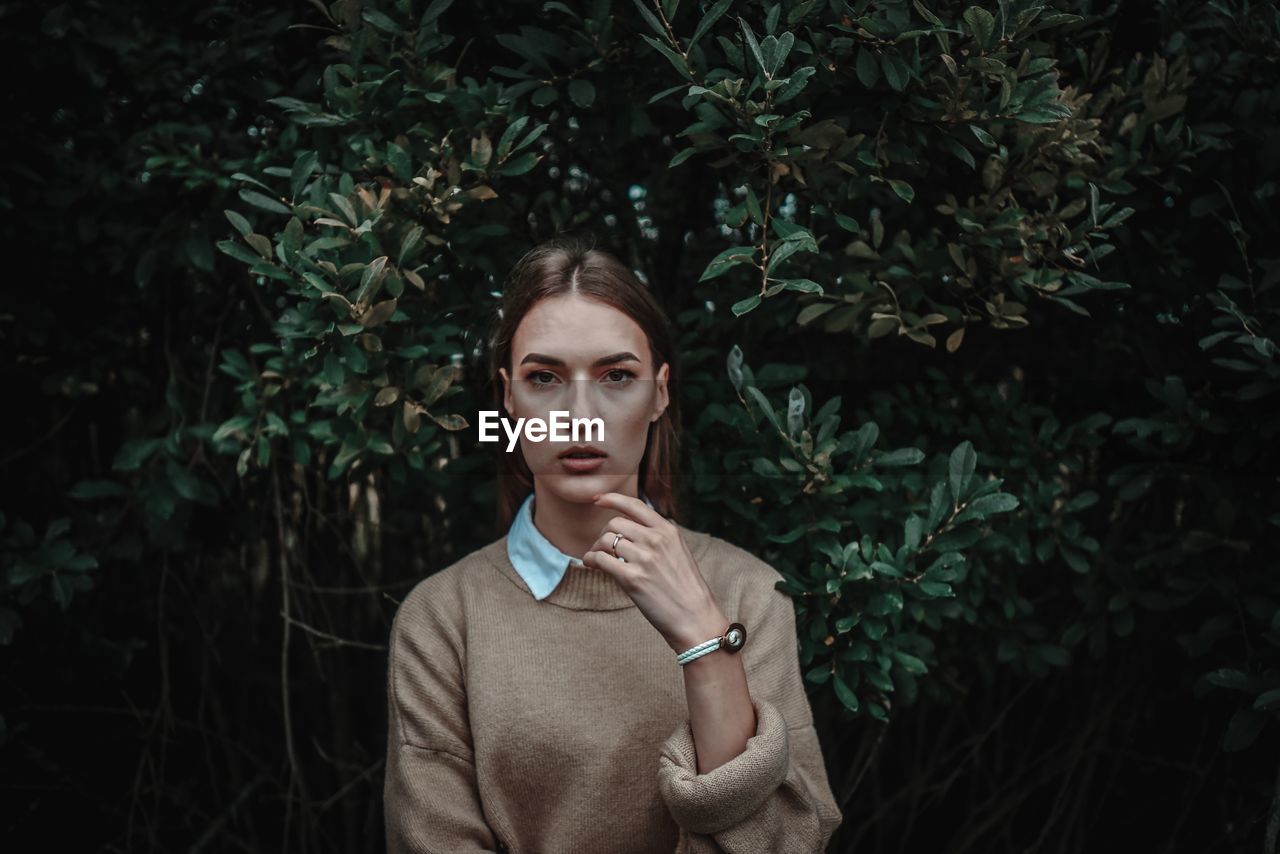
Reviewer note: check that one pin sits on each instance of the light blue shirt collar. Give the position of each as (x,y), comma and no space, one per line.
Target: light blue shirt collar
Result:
(538,562)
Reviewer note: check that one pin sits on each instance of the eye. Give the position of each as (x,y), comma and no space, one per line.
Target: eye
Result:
(627,376)
(533,378)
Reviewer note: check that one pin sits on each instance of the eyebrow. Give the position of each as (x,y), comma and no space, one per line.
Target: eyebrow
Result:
(604,360)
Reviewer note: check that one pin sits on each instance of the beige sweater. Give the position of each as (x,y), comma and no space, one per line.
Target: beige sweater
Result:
(561,725)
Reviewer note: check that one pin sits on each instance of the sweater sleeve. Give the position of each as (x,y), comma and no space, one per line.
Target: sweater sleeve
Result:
(774,796)
(430,799)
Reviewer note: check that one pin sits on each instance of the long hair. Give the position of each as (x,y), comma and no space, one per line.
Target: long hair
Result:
(570,264)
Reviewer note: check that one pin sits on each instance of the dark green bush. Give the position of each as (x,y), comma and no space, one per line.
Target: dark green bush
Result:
(977,316)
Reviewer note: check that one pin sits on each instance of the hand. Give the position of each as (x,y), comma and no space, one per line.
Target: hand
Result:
(659,572)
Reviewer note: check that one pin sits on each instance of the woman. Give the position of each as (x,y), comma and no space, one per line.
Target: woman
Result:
(538,698)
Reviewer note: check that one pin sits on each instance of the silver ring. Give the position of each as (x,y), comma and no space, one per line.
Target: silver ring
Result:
(614,547)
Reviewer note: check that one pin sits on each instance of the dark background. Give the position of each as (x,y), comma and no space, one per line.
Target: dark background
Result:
(154,697)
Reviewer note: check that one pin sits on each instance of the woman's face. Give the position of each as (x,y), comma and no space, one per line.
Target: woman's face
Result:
(591,360)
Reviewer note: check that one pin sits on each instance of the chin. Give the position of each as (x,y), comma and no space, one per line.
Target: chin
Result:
(580,487)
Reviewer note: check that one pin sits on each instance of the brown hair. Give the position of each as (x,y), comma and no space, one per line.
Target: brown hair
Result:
(570,264)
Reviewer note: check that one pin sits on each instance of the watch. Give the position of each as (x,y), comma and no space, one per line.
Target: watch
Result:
(733,639)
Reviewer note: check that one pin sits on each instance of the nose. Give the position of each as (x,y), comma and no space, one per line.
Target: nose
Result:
(582,402)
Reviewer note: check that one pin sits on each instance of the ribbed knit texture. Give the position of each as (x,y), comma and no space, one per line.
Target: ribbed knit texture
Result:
(561,725)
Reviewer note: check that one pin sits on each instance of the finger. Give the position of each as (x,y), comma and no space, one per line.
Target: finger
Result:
(628,549)
(635,538)
(628,528)
(632,507)
(606,562)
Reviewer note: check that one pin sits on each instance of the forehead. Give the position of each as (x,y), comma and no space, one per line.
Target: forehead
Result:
(570,326)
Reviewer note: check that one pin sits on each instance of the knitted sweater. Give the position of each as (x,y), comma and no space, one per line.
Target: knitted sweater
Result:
(561,725)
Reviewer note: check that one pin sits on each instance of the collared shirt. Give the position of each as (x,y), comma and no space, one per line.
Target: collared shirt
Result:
(539,563)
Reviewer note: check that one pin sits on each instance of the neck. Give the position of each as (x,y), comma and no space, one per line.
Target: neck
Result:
(574,526)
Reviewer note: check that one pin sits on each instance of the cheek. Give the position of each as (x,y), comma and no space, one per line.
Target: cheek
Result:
(629,428)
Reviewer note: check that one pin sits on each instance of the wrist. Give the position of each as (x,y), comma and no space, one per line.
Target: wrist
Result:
(710,625)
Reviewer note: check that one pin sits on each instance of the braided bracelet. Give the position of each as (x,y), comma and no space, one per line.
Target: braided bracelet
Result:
(731,641)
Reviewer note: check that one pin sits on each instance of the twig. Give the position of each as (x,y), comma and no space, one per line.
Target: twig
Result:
(337,641)
(363,775)
(290,749)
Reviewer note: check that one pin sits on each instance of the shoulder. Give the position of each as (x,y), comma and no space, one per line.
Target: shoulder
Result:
(438,599)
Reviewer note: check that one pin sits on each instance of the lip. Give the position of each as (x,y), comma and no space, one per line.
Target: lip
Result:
(581,465)
(582,449)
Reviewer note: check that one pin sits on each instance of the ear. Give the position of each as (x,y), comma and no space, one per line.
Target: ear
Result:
(506,390)
(663,397)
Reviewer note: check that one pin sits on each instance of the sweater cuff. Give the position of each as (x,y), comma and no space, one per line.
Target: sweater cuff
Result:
(727,795)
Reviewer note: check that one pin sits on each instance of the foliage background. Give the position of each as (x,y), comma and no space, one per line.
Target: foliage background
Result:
(984,296)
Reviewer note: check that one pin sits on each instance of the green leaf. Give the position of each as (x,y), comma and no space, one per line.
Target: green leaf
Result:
(910,663)
(509,135)
(435,10)
(240,176)
(912,529)
(867,68)
(1053,654)
(1231,678)
(962,154)
(408,244)
(743,306)
(753,206)
(987,505)
(582,92)
(10,622)
(241,224)
(303,165)
(1268,701)
(449,422)
(676,60)
(844,693)
(730,257)
(399,161)
(903,189)
(884,568)
(650,18)
(681,156)
(653,99)
(241,424)
(240,253)
(896,72)
(900,457)
(794,84)
(936,589)
(90,489)
(963,462)
(520,164)
(982,136)
(266,203)
(763,402)
(754,45)
(873,629)
(133,453)
(981,23)
(1243,729)
(708,20)
(804,286)
(381,21)
(1047,115)
(926,14)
